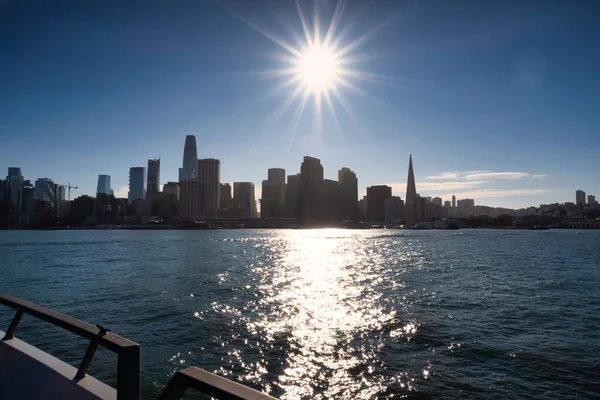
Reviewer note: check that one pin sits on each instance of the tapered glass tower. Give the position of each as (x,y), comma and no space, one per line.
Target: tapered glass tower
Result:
(190,159)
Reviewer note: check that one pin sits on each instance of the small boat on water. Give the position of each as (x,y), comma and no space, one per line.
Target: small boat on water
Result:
(28,373)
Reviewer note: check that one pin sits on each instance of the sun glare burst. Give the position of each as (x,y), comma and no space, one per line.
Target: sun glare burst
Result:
(319,67)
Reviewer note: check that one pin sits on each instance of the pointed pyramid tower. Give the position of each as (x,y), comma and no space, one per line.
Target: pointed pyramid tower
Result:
(410,203)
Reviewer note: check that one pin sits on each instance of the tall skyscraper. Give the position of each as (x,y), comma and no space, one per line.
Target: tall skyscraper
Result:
(453,201)
(410,204)
(348,192)
(225,198)
(190,159)
(272,203)
(15,182)
(310,193)
(243,198)
(376,196)
(44,189)
(291,195)
(190,199)
(137,184)
(154,176)
(103,184)
(591,199)
(276,175)
(209,174)
(580,198)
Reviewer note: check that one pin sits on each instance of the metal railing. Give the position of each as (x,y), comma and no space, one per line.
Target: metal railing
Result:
(209,384)
(128,352)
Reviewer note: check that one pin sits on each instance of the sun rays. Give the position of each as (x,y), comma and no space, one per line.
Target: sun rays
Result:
(319,68)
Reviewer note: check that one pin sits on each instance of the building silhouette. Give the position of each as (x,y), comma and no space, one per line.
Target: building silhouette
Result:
(394,209)
(190,159)
(348,183)
(172,188)
(15,187)
(225,198)
(276,175)
(137,184)
(310,207)
(591,199)
(291,195)
(376,196)
(244,200)
(103,185)
(272,203)
(579,198)
(44,189)
(190,199)
(153,185)
(209,174)
(412,208)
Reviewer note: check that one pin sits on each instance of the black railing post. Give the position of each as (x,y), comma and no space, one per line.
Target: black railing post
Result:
(128,373)
(10,333)
(87,360)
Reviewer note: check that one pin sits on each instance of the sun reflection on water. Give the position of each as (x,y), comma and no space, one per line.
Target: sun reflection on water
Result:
(320,302)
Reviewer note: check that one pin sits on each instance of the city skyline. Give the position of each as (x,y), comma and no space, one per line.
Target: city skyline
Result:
(487,100)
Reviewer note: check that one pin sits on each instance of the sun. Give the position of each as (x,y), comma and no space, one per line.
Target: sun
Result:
(319,65)
(318,69)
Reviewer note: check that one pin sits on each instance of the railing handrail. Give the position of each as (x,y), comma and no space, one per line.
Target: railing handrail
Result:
(128,364)
(209,384)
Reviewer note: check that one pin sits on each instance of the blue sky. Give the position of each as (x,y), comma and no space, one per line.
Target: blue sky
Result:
(497,101)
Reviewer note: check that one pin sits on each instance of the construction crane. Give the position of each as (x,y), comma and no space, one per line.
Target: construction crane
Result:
(70,187)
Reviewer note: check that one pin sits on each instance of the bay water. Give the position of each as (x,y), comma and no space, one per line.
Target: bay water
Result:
(344,314)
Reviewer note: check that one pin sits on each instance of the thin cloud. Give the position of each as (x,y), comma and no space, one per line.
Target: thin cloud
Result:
(484,175)
(444,175)
(485,194)
(400,187)
(497,175)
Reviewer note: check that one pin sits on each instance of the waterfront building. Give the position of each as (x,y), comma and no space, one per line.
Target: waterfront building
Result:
(190,159)
(209,174)
(291,195)
(310,193)
(153,184)
(172,188)
(348,183)
(225,198)
(190,199)
(103,185)
(410,205)
(244,200)
(376,196)
(579,198)
(137,184)
(394,209)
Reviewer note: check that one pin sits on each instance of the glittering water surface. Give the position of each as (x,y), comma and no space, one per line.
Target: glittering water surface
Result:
(327,313)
